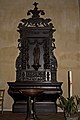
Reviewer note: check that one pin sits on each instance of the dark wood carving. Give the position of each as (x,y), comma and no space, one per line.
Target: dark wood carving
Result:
(36,33)
(36,64)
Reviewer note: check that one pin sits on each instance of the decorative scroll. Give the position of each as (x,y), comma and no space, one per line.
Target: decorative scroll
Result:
(35,20)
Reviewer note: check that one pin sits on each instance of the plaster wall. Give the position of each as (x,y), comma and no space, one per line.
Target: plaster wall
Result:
(65,17)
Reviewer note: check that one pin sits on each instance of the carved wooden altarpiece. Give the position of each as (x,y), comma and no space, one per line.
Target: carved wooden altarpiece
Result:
(36,64)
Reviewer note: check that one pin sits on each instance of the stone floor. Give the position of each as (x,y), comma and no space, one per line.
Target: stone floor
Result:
(22,116)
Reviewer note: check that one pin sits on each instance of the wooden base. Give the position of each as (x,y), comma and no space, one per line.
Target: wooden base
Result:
(41,107)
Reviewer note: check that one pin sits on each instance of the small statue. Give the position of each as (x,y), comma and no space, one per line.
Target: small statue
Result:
(36,54)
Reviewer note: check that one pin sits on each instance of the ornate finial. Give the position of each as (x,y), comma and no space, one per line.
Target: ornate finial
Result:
(35,4)
(35,12)
(35,19)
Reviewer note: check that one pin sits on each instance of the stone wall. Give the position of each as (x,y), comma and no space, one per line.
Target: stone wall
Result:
(65,16)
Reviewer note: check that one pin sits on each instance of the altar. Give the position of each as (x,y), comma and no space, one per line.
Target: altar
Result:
(36,64)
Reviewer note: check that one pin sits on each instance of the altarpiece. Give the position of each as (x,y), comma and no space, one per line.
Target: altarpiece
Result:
(36,64)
